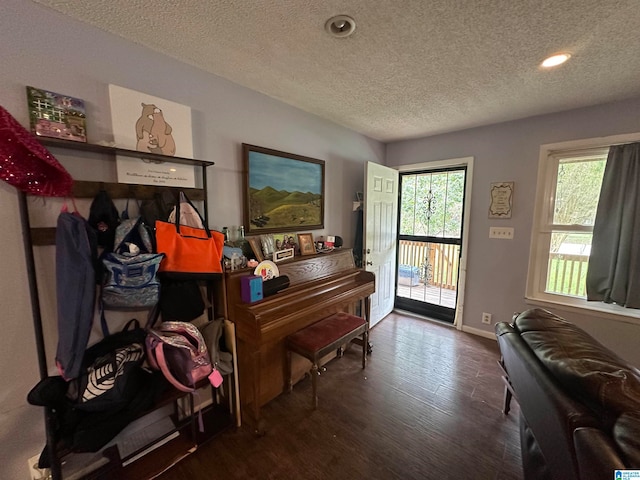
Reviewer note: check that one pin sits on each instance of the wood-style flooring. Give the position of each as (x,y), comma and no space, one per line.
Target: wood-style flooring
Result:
(428,406)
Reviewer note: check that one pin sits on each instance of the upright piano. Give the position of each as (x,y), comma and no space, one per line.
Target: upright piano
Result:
(320,285)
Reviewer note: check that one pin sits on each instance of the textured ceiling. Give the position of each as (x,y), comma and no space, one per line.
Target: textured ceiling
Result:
(412,68)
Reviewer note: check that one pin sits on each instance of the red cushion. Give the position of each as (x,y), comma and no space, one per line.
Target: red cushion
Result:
(327,330)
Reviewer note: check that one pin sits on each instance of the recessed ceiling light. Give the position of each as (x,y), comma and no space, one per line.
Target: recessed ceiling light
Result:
(340,26)
(555,60)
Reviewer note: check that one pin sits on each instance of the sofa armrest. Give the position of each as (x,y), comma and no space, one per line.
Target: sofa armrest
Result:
(596,454)
(549,412)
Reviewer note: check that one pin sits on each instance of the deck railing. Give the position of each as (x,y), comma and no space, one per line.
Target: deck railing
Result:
(567,274)
(437,263)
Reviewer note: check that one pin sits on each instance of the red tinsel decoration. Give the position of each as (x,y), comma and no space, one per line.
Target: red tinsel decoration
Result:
(26,164)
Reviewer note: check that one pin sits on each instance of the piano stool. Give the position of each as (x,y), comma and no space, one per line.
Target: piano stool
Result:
(320,338)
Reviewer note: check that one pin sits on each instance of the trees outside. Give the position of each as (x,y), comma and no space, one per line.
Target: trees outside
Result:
(575,203)
(431,204)
(576,199)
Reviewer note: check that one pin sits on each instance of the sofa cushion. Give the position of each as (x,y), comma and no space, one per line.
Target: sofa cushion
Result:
(626,433)
(597,376)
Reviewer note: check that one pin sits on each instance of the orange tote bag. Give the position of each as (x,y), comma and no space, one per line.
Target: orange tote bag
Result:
(189,252)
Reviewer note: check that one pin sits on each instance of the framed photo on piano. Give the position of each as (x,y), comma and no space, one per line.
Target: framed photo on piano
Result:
(256,246)
(307,247)
(283,192)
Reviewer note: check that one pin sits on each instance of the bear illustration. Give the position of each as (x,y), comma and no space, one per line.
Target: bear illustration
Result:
(143,127)
(160,135)
(153,133)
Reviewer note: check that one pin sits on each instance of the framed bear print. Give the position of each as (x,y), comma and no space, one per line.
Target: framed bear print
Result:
(151,125)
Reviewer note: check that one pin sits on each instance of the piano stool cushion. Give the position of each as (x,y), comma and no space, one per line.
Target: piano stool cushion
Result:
(324,332)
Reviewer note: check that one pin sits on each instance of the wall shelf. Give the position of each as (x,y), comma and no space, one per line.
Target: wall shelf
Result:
(103,149)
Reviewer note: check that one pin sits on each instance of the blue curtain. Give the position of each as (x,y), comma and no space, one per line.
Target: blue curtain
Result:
(614,264)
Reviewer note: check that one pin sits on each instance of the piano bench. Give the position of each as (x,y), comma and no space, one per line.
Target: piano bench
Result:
(320,338)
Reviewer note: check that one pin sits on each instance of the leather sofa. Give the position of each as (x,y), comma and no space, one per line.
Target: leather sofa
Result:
(579,402)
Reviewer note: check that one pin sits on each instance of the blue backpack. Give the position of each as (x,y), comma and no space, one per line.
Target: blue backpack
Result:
(131,280)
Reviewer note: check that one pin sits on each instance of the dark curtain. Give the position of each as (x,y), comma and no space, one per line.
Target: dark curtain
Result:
(614,264)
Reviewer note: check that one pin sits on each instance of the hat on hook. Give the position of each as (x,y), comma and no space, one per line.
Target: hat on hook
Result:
(26,164)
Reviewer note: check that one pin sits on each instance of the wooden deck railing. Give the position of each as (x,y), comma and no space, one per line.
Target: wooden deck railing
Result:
(442,259)
(567,274)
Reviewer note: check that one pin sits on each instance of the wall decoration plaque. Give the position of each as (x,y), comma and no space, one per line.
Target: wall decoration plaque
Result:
(56,115)
(501,200)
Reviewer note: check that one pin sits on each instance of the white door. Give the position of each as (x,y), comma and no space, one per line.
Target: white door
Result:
(380,229)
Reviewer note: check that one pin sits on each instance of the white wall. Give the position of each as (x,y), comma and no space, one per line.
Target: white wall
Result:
(41,48)
(497,269)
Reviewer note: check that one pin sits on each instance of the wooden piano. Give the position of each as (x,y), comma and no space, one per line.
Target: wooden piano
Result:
(320,285)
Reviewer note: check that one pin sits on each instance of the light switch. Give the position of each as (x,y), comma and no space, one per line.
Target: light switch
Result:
(505,233)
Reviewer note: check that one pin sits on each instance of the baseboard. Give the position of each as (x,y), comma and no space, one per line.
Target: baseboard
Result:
(480,333)
(466,329)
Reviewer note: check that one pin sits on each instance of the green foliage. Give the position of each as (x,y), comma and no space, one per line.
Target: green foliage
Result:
(577,192)
(286,215)
(443,192)
(285,208)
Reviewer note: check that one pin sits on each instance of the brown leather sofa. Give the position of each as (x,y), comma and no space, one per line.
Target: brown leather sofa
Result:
(579,402)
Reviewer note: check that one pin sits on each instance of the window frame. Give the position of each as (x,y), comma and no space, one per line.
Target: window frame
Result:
(543,227)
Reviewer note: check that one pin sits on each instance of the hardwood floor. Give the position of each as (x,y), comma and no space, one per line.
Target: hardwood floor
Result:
(428,406)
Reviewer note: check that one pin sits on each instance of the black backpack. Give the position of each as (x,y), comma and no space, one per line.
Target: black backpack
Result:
(104,218)
(157,208)
(112,390)
(111,371)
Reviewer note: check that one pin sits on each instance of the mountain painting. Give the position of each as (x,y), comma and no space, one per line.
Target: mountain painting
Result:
(284,192)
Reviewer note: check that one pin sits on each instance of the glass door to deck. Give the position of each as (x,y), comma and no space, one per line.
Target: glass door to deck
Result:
(429,241)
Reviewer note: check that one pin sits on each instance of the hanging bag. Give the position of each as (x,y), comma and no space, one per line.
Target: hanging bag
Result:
(157,208)
(111,371)
(189,252)
(130,279)
(104,217)
(189,214)
(179,351)
(212,333)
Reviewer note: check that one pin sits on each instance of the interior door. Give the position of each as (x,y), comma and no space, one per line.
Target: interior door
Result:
(380,229)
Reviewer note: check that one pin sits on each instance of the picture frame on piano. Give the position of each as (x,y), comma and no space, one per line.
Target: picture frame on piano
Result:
(307,247)
(285,254)
(256,246)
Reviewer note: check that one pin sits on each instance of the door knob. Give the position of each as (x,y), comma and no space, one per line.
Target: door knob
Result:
(368,250)
(369,263)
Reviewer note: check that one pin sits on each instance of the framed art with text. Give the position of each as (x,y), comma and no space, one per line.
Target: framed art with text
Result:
(501,200)
(150,124)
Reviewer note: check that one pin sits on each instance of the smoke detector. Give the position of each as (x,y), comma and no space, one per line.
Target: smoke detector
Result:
(340,26)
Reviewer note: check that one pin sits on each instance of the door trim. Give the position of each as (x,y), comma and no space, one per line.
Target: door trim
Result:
(462,275)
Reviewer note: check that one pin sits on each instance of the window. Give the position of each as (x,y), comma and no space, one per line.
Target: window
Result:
(569,183)
(572,211)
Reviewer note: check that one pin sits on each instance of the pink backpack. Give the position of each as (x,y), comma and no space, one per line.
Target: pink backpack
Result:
(179,351)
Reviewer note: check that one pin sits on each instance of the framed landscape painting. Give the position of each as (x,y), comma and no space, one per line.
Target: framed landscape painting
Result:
(283,192)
